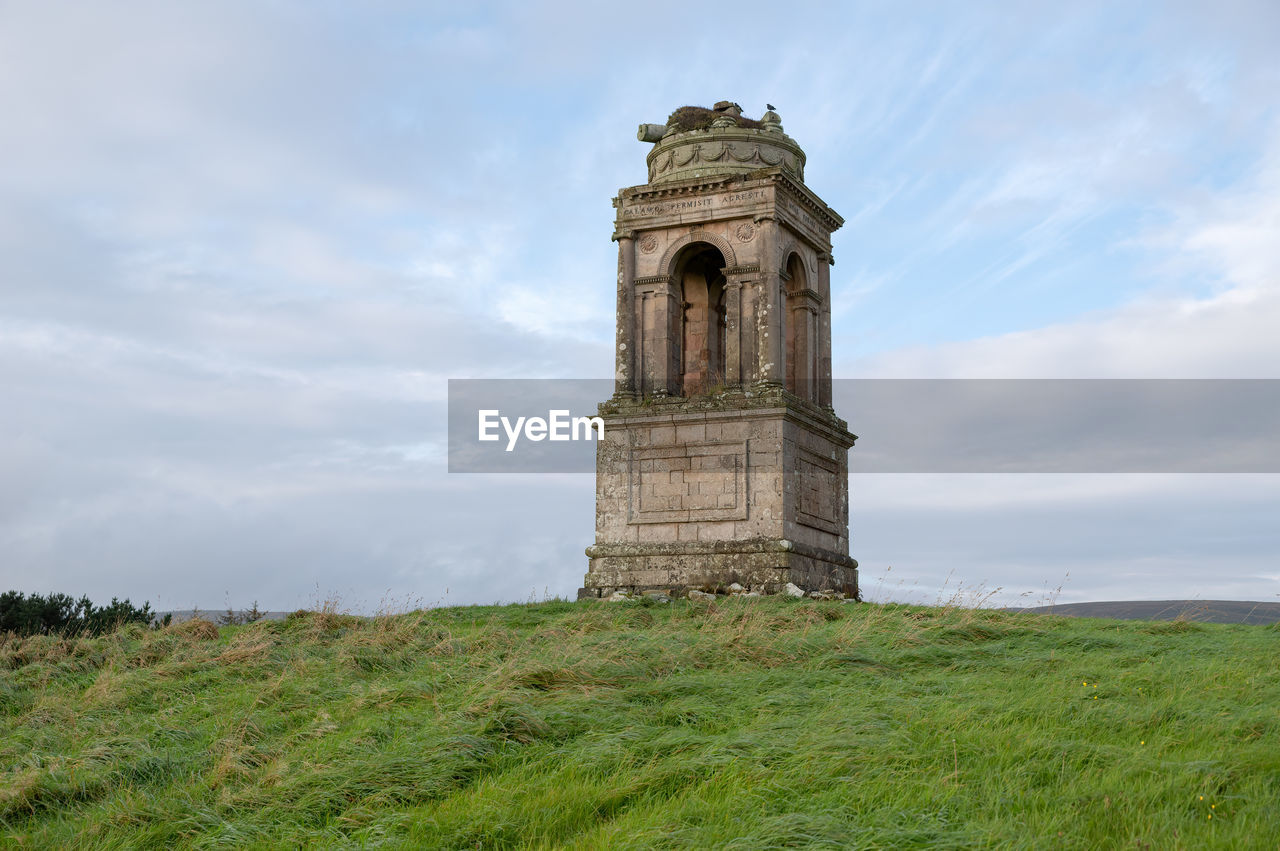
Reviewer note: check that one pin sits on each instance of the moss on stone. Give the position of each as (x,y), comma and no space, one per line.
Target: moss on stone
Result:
(688,118)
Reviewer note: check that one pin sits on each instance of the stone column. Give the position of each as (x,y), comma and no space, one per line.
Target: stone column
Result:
(825,262)
(812,381)
(800,355)
(769,321)
(747,341)
(644,358)
(669,322)
(736,372)
(625,384)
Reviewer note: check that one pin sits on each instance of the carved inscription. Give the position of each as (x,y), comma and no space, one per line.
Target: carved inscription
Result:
(711,202)
(744,197)
(798,215)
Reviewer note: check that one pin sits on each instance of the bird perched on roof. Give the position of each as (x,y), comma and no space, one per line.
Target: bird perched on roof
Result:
(770,107)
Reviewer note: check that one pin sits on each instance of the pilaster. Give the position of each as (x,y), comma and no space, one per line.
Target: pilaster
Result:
(769,367)
(625,356)
(825,262)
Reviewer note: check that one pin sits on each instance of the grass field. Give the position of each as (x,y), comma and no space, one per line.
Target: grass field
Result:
(745,723)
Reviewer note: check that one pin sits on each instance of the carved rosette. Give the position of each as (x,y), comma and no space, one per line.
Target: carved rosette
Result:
(723,150)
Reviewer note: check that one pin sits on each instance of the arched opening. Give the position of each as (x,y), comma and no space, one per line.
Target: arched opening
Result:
(800,321)
(700,273)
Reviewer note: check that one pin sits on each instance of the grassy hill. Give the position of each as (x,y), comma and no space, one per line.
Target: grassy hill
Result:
(744,723)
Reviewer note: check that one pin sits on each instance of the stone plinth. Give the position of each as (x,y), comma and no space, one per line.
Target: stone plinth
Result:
(742,486)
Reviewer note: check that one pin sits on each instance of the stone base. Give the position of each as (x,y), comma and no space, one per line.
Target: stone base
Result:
(758,565)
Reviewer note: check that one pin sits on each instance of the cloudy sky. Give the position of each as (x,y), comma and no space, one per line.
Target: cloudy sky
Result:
(243,246)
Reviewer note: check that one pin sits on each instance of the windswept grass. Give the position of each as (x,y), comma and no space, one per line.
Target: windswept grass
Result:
(745,723)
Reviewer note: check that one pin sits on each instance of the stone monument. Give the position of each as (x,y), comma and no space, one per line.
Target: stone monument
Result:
(722,459)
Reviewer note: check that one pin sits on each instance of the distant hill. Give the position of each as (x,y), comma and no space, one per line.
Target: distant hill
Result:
(215,615)
(1202,611)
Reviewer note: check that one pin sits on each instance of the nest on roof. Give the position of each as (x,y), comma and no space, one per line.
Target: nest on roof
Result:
(699,118)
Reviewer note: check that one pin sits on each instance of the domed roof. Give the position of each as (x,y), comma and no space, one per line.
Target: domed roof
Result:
(699,142)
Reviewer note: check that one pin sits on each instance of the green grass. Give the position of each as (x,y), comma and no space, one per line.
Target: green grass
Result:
(744,724)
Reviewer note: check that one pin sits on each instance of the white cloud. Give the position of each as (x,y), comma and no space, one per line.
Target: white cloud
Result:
(243,246)
(1229,333)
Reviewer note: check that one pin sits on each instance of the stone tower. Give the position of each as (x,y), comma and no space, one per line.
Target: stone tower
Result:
(722,459)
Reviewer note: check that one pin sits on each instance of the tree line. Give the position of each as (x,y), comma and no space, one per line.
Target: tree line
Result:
(36,614)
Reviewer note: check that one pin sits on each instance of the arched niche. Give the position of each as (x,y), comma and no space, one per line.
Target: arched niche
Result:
(666,266)
(800,329)
(698,273)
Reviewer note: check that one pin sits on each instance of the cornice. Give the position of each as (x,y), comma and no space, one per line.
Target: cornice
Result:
(793,189)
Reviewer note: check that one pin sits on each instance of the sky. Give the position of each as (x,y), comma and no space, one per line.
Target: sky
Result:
(244,246)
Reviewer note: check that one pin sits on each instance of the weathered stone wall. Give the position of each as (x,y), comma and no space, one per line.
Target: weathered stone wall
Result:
(761,566)
(747,488)
(815,487)
(685,475)
(774,237)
